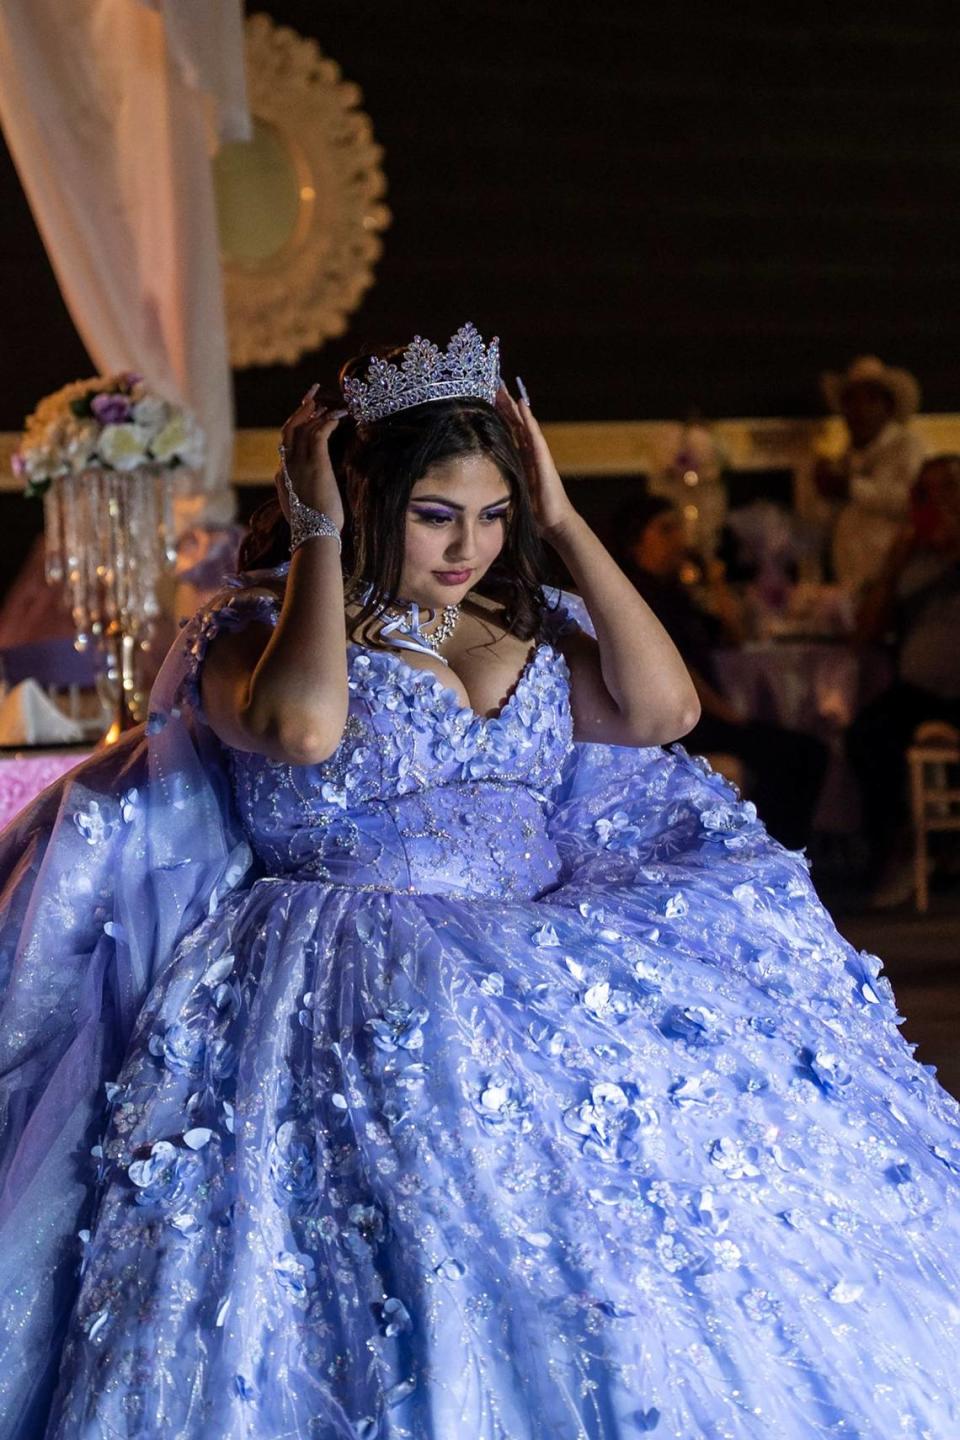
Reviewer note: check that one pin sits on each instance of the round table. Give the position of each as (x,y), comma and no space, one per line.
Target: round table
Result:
(814,686)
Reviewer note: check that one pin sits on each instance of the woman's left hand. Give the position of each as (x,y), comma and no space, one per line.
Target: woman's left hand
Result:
(551,506)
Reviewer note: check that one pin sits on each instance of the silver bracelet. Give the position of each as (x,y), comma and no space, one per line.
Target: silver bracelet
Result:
(305,522)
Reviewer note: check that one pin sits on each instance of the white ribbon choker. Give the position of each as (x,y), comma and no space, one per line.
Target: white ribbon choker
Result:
(405,630)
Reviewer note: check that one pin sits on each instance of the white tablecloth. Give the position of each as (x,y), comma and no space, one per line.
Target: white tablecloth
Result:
(815,687)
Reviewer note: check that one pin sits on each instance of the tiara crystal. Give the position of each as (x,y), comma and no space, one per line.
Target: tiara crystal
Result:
(467,370)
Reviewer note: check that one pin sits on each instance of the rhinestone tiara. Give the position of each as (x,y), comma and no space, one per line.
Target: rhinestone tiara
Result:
(467,369)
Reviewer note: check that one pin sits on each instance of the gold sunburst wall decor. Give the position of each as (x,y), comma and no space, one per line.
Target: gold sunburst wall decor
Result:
(300,206)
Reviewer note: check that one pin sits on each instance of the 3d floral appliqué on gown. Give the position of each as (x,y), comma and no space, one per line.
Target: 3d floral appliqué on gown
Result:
(473,1085)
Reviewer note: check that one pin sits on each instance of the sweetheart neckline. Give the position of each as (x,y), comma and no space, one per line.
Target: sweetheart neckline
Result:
(420,672)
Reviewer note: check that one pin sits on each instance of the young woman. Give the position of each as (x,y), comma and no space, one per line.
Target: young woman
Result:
(403,1045)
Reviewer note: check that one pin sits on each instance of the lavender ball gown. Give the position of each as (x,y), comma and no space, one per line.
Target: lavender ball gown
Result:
(473,1085)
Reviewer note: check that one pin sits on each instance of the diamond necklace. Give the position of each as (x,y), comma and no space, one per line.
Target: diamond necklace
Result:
(402,625)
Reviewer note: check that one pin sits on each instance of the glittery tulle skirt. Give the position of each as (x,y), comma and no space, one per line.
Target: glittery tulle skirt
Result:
(644,1154)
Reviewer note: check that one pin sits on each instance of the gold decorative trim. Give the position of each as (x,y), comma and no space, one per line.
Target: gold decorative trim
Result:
(624,447)
(290,303)
(611,447)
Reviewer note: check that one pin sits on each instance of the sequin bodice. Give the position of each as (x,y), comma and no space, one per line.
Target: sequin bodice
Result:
(422,794)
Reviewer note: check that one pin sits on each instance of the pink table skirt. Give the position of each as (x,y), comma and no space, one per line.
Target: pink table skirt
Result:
(23,776)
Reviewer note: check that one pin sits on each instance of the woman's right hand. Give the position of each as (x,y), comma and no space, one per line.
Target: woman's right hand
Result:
(306,440)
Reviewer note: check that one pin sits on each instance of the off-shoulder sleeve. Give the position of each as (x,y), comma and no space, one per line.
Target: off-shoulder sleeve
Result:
(234,610)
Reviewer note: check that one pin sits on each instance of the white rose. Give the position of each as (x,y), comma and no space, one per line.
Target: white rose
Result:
(43,463)
(179,439)
(36,463)
(151,412)
(81,446)
(124,447)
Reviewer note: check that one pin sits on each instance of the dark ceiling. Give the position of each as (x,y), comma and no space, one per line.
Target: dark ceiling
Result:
(657,208)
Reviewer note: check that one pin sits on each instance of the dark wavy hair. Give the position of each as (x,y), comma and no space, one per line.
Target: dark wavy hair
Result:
(377,466)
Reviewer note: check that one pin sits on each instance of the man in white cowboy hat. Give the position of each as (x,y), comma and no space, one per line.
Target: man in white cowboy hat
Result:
(874,475)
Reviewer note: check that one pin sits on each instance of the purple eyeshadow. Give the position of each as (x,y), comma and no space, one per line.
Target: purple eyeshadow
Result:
(445,514)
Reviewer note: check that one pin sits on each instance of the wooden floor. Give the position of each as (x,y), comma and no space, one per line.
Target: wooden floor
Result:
(921,957)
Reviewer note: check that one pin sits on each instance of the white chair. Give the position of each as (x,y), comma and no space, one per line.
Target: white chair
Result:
(933,759)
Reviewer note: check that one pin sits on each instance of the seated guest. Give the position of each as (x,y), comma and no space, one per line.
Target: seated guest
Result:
(872,478)
(916,596)
(787,768)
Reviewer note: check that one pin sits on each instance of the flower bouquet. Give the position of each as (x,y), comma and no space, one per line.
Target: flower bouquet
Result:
(106,423)
(109,456)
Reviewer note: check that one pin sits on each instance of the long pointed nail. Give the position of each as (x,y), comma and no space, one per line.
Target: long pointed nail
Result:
(523,391)
(312,391)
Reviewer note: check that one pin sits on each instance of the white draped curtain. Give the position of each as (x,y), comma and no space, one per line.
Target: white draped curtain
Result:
(112,110)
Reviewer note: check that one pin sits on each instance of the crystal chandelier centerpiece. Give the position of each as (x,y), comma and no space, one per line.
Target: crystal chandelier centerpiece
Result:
(109,458)
(688,471)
